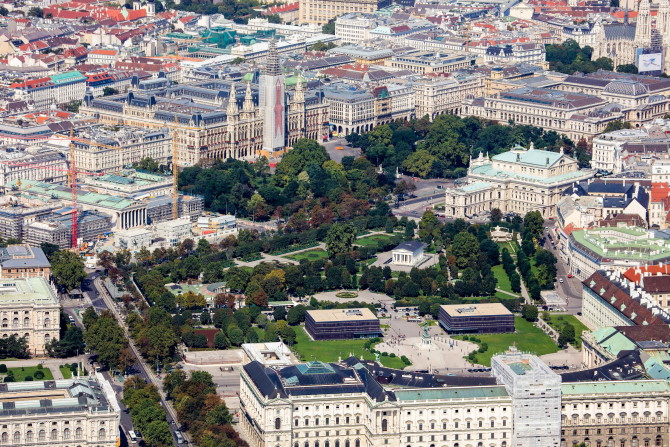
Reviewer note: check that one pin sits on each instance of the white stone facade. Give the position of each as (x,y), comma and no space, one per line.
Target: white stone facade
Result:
(517,181)
(434,97)
(31,310)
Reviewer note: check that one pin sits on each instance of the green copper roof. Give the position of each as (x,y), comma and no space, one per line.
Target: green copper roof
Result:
(536,157)
(293,80)
(452,393)
(69,76)
(476,186)
(488,170)
(624,386)
(604,243)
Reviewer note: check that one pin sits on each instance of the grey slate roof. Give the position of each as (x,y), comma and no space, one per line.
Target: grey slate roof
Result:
(410,245)
(619,31)
(22,256)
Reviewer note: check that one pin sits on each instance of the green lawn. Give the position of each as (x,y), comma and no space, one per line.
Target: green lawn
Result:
(501,276)
(527,338)
(311,255)
(557,321)
(20,373)
(508,245)
(329,351)
(373,241)
(65,370)
(506,296)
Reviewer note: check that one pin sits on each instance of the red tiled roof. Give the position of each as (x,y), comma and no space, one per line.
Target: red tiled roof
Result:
(634,273)
(104,52)
(659,191)
(620,300)
(656,332)
(282,8)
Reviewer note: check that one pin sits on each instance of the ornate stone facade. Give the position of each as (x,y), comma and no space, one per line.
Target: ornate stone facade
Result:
(213,119)
(517,181)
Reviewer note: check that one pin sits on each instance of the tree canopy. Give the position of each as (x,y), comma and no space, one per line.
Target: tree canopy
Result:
(68,269)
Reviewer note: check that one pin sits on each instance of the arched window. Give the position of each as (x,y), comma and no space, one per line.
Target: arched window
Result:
(306,443)
(347,443)
(316,443)
(26,322)
(337,443)
(17,437)
(357,443)
(15,322)
(47,338)
(101,434)
(296,444)
(29,436)
(41,435)
(326,444)
(47,323)
(78,433)
(54,434)
(66,433)
(385,425)
(5,322)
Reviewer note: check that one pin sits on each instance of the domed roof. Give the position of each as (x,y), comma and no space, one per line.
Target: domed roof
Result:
(627,88)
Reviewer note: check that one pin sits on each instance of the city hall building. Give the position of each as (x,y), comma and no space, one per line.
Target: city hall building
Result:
(331,324)
(523,403)
(517,181)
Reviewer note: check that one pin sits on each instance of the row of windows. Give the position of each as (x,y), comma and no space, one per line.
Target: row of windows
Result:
(41,435)
(347,443)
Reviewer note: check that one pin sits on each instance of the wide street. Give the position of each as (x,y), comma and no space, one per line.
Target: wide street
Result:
(570,288)
(100,299)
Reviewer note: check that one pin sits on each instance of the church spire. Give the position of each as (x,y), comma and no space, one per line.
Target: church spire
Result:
(232,109)
(248,106)
(299,91)
(272,67)
(643,24)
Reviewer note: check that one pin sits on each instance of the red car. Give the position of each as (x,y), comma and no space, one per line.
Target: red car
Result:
(569,276)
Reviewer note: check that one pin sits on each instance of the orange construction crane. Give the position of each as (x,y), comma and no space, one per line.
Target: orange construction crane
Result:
(72,183)
(71,175)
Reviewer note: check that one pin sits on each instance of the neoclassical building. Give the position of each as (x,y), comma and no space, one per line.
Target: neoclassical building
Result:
(30,309)
(517,181)
(77,412)
(576,115)
(215,119)
(522,404)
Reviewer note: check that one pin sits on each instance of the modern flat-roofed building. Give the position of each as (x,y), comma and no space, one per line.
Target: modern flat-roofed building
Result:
(23,261)
(29,308)
(476,318)
(75,412)
(329,324)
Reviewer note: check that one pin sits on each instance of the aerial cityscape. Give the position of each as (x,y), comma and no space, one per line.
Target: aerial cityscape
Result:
(323,223)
